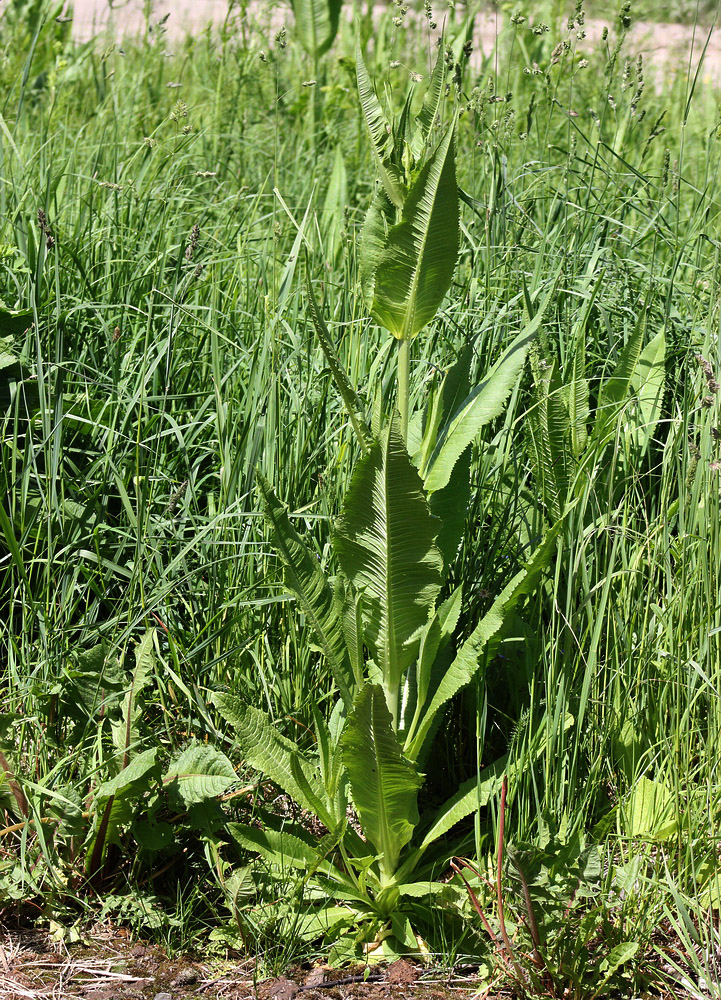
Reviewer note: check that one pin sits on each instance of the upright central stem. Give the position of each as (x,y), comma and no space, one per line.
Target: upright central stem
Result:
(404,353)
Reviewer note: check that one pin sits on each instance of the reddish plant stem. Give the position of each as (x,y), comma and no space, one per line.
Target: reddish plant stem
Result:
(499,875)
(14,787)
(458,869)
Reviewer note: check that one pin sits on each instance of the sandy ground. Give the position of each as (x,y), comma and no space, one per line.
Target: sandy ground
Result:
(665,46)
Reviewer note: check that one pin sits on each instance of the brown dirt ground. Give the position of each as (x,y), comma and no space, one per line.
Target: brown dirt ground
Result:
(109,965)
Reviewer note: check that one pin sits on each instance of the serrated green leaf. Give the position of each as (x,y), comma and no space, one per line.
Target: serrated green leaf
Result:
(384,783)
(416,266)
(436,634)
(385,544)
(379,219)
(380,132)
(431,104)
(618,956)
(140,678)
(402,132)
(275,846)
(445,400)
(353,632)
(306,580)
(269,752)
(615,389)
(550,430)
(483,404)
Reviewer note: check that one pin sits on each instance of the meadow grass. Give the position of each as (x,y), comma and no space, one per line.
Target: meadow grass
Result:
(155,200)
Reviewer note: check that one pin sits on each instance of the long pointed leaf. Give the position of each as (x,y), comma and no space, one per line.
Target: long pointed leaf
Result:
(648,382)
(616,388)
(431,104)
(417,265)
(384,783)
(316,23)
(269,752)
(305,578)
(380,132)
(478,791)
(380,217)
(482,643)
(385,543)
(481,406)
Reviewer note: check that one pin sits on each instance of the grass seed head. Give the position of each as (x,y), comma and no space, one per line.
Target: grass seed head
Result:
(46,229)
(180,111)
(192,242)
(711,381)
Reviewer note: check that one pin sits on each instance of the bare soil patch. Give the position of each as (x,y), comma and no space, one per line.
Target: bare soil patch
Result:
(109,965)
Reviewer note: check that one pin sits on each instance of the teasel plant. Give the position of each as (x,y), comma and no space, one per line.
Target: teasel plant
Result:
(391,640)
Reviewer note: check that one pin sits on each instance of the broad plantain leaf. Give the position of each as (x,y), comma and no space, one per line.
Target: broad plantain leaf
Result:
(153,836)
(650,811)
(137,772)
(200,772)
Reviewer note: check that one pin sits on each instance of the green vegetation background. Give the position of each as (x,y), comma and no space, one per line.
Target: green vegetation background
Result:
(150,199)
